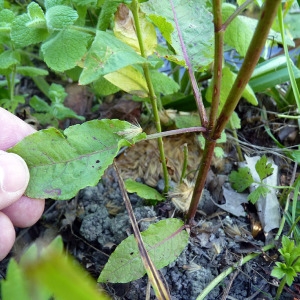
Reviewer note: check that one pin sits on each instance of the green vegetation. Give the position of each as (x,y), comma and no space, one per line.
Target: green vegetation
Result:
(111,46)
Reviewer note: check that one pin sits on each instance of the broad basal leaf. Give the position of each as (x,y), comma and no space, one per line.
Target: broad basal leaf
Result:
(64,50)
(125,264)
(106,55)
(61,164)
(196,27)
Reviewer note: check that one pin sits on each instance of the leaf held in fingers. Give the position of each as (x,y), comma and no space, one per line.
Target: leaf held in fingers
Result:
(125,263)
(61,164)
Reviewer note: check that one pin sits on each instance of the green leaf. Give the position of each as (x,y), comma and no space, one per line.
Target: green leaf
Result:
(64,50)
(39,104)
(106,55)
(163,246)
(263,168)
(108,9)
(6,19)
(185,121)
(241,179)
(125,31)
(143,190)
(238,34)
(57,93)
(197,32)
(103,87)
(8,59)
(260,191)
(228,79)
(130,80)
(71,282)
(23,35)
(163,84)
(60,17)
(35,11)
(61,164)
(279,270)
(14,286)
(31,71)
(270,73)
(235,121)
(60,112)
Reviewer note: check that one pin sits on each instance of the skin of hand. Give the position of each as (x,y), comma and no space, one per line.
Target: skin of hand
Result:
(15,209)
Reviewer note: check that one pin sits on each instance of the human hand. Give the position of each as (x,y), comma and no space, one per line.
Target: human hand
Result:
(15,209)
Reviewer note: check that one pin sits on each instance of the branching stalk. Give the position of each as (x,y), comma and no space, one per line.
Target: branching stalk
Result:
(268,14)
(135,12)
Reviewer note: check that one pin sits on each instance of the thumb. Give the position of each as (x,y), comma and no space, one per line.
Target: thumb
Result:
(14,178)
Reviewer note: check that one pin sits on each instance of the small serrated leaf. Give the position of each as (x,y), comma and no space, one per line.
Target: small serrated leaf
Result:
(62,164)
(125,264)
(241,179)
(263,168)
(260,191)
(143,190)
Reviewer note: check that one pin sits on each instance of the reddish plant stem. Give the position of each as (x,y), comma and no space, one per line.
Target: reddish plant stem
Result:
(217,71)
(268,14)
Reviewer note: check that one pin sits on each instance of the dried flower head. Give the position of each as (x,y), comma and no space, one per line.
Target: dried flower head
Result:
(131,132)
(181,196)
(192,267)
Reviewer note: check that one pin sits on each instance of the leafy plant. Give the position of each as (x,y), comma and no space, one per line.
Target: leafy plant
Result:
(127,57)
(243,179)
(51,114)
(33,277)
(290,267)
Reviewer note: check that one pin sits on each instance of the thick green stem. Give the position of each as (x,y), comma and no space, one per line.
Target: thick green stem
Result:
(135,12)
(257,43)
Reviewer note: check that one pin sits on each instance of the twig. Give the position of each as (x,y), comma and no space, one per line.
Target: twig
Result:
(160,290)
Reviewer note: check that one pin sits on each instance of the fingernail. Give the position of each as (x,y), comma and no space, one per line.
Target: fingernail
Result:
(14,174)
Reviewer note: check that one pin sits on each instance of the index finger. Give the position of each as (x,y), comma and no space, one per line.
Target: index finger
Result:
(12,129)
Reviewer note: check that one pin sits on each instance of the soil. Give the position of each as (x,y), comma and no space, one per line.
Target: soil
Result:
(95,222)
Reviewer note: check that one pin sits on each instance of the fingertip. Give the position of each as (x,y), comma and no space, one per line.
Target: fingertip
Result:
(7,235)
(25,212)
(14,178)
